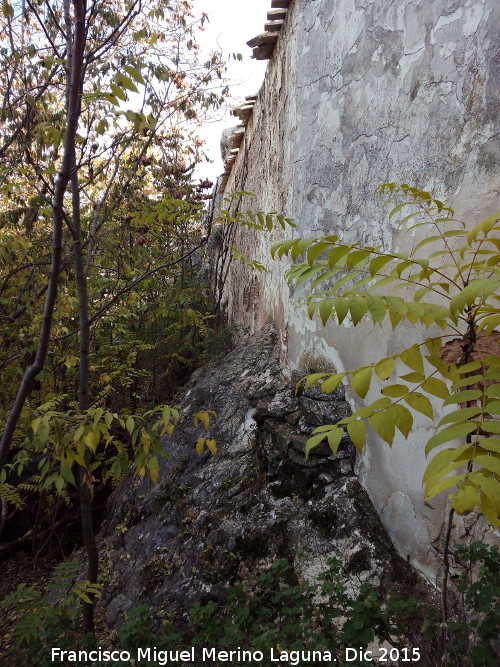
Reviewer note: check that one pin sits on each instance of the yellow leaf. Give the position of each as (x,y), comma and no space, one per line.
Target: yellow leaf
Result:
(357,432)
(435,387)
(466,498)
(199,445)
(204,418)
(383,426)
(129,425)
(154,469)
(90,440)
(412,357)
(420,403)
(331,383)
(361,381)
(384,368)
(212,447)
(444,485)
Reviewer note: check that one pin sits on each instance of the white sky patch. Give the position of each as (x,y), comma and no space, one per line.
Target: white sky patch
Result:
(232,24)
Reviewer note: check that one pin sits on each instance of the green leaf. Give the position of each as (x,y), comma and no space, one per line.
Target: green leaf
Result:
(128,84)
(199,445)
(356,257)
(398,208)
(377,308)
(485,226)
(437,468)
(134,73)
(315,251)
(59,482)
(489,462)
(67,473)
(361,381)
(211,446)
(299,247)
(337,254)
(356,430)
(311,379)
(463,396)
(467,381)
(341,308)
(378,263)
(118,92)
(78,433)
(491,426)
(449,433)
(358,308)
(491,444)
(420,403)
(493,391)
(325,308)
(488,485)
(459,415)
(154,469)
(91,439)
(130,424)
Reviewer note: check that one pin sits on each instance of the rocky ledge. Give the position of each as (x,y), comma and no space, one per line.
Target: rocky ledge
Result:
(211,520)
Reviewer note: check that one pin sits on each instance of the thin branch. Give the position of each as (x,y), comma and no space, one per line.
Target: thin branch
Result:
(116,34)
(131,285)
(57,234)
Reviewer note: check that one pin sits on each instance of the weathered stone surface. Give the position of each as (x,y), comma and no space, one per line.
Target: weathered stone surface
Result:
(359,93)
(211,519)
(318,413)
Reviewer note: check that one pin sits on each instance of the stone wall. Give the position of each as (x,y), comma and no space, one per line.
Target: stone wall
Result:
(358,93)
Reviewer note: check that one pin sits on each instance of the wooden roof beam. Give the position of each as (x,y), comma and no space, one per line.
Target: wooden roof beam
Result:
(273,26)
(276,14)
(263,52)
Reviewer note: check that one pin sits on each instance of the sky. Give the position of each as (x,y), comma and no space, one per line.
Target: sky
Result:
(231,24)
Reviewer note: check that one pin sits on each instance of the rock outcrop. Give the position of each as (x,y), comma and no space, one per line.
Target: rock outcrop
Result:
(212,520)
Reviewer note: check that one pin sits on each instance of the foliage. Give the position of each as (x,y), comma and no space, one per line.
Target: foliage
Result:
(454,288)
(60,439)
(42,624)
(99,222)
(279,610)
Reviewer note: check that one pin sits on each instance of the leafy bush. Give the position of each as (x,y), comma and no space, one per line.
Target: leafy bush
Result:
(279,610)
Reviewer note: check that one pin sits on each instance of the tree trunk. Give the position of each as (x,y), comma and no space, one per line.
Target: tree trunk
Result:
(75,74)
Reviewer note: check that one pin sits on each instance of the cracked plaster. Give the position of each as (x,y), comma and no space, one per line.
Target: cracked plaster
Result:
(357,93)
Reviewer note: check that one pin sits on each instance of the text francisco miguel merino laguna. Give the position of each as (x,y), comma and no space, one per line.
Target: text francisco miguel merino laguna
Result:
(164,657)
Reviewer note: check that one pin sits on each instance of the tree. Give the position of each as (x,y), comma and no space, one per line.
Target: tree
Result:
(456,288)
(92,142)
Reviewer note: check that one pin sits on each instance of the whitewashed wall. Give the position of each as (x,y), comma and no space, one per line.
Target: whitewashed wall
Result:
(357,93)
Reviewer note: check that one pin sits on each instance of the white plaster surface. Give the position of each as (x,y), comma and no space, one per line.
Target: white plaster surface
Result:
(358,93)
